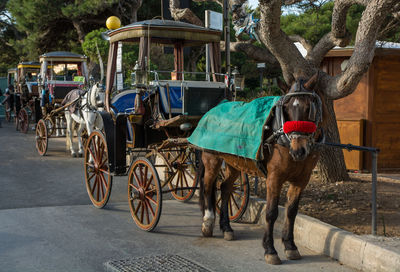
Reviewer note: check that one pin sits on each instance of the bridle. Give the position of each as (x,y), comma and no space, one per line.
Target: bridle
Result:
(283,133)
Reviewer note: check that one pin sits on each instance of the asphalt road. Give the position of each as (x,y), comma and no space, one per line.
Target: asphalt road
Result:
(48,224)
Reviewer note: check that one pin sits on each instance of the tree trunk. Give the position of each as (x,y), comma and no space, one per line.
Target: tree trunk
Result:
(79,30)
(331,165)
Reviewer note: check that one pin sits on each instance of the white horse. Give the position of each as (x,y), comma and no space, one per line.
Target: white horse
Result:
(85,112)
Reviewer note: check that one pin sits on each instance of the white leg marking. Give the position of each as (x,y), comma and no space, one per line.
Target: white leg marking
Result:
(208,215)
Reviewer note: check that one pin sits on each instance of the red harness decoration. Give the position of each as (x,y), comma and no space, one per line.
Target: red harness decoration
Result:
(299,126)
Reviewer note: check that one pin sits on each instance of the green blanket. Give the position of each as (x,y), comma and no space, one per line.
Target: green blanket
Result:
(234,127)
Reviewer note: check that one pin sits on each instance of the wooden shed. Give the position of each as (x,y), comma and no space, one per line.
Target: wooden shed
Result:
(371,115)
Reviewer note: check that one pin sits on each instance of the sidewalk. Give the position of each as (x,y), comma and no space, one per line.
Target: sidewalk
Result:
(365,252)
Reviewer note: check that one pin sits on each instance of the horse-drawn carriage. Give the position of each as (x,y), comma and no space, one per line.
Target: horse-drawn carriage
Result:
(26,99)
(60,72)
(146,123)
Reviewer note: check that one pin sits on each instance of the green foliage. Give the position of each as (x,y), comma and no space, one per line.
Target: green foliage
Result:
(312,25)
(89,45)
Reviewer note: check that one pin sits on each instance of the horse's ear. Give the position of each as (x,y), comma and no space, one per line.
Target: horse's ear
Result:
(282,86)
(310,84)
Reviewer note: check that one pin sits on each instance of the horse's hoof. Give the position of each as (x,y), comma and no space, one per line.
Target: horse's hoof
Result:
(272,259)
(73,155)
(228,235)
(293,254)
(80,155)
(207,228)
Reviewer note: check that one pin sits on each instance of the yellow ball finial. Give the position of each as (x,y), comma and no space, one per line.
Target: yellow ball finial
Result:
(113,22)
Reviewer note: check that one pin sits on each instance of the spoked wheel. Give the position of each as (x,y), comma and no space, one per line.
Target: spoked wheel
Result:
(144,193)
(238,199)
(23,120)
(97,172)
(41,138)
(182,173)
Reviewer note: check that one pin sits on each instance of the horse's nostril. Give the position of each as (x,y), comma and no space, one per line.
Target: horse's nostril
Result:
(298,154)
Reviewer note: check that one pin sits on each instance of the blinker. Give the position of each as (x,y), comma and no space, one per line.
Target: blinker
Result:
(313,112)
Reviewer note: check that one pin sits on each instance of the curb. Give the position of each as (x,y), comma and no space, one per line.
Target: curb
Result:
(360,252)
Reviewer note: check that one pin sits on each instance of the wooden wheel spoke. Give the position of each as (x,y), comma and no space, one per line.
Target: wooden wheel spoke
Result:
(151,199)
(233,200)
(101,186)
(134,187)
(98,188)
(137,208)
(136,178)
(105,171)
(230,207)
(142,213)
(148,183)
(91,152)
(94,184)
(142,181)
(104,162)
(90,177)
(150,207)
(147,211)
(237,193)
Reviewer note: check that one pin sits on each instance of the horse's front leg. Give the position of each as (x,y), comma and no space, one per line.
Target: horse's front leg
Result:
(292,206)
(231,174)
(274,185)
(79,136)
(69,133)
(212,165)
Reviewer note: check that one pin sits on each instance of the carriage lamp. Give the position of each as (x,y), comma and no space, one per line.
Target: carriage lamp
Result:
(237,79)
(139,76)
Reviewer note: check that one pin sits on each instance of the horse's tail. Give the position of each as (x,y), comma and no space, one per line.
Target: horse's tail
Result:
(200,178)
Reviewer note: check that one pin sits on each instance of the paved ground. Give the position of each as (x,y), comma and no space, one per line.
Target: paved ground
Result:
(48,224)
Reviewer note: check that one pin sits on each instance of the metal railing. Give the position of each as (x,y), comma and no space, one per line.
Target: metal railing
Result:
(374,155)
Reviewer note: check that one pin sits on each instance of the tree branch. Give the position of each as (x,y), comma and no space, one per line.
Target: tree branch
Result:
(364,48)
(215,1)
(183,14)
(304,42)
(293,65)
(252,51)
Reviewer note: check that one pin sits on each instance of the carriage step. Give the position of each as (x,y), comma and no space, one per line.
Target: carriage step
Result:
(155,263)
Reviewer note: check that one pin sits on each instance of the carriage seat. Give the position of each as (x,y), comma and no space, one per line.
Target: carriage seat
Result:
(193,98)
(124,102)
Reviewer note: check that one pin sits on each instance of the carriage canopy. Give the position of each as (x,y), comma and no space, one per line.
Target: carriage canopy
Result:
(163,32)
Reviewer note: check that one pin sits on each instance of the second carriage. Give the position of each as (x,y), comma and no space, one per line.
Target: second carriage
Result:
(60,72)
(145,124)
(24,96)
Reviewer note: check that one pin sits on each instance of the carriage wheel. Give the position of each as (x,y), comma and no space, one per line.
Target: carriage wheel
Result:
(41,138)
(181,172)
(144,193)
(50,125)
(23,120)
(98,178)
(238,199)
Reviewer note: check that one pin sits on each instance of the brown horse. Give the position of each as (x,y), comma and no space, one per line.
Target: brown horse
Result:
(291,154)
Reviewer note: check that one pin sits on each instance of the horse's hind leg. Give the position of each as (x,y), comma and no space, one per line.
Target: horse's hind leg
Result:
(212,165)
(274,186)
(292,206)
(231,174)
